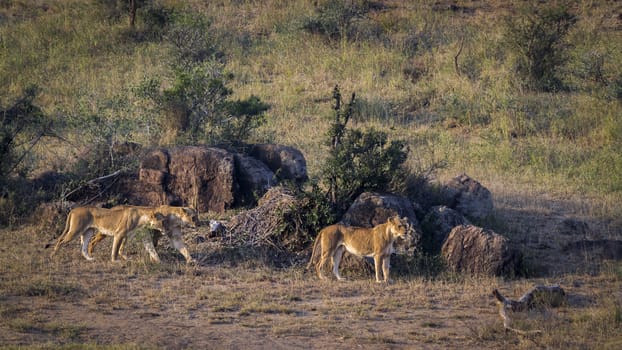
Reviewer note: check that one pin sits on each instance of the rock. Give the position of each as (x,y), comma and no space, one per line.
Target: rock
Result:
(371,209)
(151,186)
(437,224)
(202,177)
(478,251)
(216,228)
(253,177)
(157,159)
(468,197)
(286,162)
(198,177)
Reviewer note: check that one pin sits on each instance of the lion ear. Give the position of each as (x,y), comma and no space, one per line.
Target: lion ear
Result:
(159,216)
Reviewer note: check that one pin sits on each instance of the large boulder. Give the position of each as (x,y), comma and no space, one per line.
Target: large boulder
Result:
(202,177)
(438,223)
(479,251)
(199,177)
(286,162)
(468,196)
(371,209)
(150,188)
(253,177)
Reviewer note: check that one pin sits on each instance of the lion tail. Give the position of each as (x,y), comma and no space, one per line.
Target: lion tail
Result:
(314,251)
(63,237)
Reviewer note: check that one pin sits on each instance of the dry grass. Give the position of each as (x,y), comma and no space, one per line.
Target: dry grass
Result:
(545,157)
(67,300)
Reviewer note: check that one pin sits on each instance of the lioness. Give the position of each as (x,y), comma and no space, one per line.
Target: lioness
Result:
(85,221)
(172,220)
(374,242)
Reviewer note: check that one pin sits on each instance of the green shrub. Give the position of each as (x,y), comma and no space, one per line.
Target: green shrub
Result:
(22,125)
(538,36)
(339,20)
(358,161)
(189,35)
(196,109)
(314,213)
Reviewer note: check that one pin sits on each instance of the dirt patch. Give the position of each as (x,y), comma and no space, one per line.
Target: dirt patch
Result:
(66,300)
(232,299)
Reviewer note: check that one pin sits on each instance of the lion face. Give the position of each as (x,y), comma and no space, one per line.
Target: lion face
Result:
(400,228)
(156,223)
(189,217)
(182,216)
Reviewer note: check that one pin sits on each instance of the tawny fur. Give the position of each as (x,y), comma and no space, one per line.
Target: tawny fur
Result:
(172,219)
(375,242)
(86,221)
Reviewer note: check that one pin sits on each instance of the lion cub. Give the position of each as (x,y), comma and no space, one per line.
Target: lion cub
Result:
(374,242)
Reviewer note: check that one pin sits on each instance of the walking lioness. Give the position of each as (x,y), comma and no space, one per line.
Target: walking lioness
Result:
(172,220)
(85,221)
(374,242)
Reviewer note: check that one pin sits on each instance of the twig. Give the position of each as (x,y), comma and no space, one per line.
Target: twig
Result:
(90,182)
(458,55)
(100,193)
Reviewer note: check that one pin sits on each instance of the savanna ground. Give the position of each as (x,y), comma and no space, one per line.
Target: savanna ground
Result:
(67,302)
(441,75)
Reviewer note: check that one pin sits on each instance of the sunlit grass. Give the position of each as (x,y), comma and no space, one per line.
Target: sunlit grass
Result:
(558,140)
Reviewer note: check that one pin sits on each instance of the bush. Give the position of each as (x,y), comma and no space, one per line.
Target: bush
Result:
(314,213)
(188,34)
(538,37)
(339,20)
(358,161)
(195,108)
(22,125)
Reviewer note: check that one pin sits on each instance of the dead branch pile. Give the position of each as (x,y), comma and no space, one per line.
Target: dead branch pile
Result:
(538,296)
(264,225)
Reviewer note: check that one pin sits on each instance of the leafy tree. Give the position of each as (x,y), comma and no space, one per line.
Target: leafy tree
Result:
(538,37)
(23,125)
